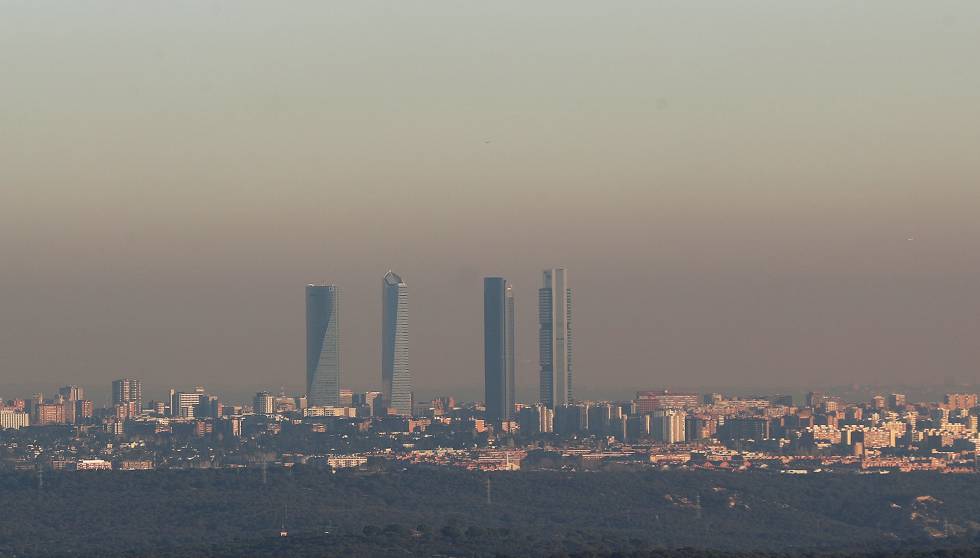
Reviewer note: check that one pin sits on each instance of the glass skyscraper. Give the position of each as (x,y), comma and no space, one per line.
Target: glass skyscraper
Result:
(395,375)
(555,338)
(323,345)
(498,348)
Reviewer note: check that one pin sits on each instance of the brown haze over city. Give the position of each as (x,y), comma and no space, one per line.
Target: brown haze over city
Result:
(744,193)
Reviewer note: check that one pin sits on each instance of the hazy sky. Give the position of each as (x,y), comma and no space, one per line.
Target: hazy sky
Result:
(743,192)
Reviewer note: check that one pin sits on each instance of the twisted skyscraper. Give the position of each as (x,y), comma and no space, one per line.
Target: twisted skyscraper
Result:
(323,345)
(555,338)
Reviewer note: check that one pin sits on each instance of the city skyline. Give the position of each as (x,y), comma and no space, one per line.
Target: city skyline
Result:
(657,278)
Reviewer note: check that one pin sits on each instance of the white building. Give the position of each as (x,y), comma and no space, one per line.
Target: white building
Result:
(93,465)
(346,461)
(10,418)
(668,425)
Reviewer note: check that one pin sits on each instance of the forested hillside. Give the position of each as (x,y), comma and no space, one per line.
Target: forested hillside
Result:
(424,512)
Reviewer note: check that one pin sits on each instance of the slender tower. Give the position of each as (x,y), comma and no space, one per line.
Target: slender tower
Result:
(323,345)
(395,375)
(498,348)
(555,338)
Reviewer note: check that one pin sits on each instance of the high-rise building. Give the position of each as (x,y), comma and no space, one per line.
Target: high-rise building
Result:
(263,403)
(668,425)
(395,375)
(128,390)
(185,404)
(498,348)
(72,393)
(555,338)
(897,401)
(323,345)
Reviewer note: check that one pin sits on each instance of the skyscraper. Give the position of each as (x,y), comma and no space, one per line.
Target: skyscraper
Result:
(323,345)
(395,375)
(498,348)
(555,338)
(128,390)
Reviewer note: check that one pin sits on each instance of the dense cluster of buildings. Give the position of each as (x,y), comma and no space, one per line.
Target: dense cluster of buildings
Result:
(654,429)
(337,427)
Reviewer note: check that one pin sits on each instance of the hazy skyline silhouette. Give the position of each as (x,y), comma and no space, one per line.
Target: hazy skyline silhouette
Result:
(743,193)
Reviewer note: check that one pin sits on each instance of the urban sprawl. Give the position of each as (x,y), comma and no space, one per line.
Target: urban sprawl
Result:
(333,427)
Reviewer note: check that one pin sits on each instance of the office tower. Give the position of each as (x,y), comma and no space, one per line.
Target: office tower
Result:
(498,348)
(72,393)
(555,338)
(128,390)
(263,403)
(395,375)
(323,345)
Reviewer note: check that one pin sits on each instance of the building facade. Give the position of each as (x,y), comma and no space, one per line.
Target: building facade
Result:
(264,403)
(555,338)
(185,404)
(395,375)
(322,345)
(668,425)
(498,348)
(650,401)
(127,390)
(10,418)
